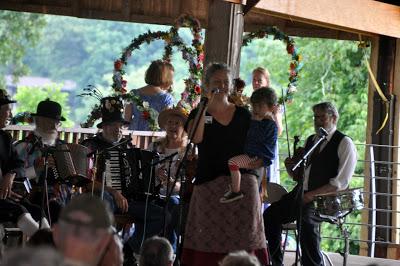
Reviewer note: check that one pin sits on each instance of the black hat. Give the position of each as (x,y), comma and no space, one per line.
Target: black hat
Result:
(111,111)
(49,109)
(4,98)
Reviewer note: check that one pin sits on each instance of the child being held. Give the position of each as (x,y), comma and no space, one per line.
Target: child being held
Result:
(260,142)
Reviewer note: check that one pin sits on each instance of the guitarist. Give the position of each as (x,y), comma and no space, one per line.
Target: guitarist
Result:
(329,169)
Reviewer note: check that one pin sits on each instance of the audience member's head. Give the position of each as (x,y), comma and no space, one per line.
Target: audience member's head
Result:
(42,237)
(113,256)
(84,230)
(240,258)
(28,256)
(156,251)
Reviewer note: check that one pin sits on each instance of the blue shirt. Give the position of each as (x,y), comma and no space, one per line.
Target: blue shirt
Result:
(158,102)
(261,140)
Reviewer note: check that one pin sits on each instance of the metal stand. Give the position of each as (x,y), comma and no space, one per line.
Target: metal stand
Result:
(345,233)
(300,196)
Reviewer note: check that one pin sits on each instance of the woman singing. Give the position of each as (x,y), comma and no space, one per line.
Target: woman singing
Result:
(214,229)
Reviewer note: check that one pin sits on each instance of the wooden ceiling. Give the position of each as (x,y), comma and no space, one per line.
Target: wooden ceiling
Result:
(165,12)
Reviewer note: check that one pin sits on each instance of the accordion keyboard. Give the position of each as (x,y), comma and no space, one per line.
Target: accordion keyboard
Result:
(114,170)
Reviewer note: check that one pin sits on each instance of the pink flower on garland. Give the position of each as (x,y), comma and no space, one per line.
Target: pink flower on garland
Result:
(124,83)
(201,57)
(118,65)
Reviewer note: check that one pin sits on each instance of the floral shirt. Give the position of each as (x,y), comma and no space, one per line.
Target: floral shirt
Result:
(30,151)
(157,102)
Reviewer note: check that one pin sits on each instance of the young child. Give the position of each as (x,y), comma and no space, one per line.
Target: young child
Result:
(260,142)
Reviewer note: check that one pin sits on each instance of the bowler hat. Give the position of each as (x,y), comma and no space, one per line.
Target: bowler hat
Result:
(111,111)
(4,98)
(49,109)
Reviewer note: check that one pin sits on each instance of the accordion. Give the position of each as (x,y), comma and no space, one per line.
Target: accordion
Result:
(130,171)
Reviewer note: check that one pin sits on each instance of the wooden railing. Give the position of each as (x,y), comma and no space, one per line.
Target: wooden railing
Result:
(140,139)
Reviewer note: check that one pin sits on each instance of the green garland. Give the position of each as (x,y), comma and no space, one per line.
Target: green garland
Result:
(296,63)
(193,55)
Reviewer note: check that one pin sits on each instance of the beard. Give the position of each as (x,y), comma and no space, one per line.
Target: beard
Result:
(48,136)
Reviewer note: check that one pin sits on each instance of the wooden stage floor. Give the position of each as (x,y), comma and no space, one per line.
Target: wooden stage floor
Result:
(352,260)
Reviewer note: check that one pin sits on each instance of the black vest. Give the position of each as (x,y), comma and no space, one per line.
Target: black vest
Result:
(324,165)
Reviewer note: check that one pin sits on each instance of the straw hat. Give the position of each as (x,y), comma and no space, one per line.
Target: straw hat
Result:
(176,111)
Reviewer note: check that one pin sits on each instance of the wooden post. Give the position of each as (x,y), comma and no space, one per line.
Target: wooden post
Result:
(385,75)
(224,34)
(394,250)
(365,216)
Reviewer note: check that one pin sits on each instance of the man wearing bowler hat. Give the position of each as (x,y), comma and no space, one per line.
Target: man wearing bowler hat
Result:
(32,149)
(13,208)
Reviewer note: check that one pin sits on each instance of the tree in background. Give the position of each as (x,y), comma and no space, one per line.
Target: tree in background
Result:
(18,32)
(84,51)
(28,98)
(333,71)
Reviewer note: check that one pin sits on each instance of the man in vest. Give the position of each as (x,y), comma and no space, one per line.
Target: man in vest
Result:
(329,169)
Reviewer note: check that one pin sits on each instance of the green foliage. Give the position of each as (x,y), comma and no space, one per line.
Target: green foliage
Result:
(333,71)
(18,32)
(29,97)
(86,50)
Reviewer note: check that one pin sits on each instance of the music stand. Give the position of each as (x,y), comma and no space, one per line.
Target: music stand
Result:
(45,196)
(303,162)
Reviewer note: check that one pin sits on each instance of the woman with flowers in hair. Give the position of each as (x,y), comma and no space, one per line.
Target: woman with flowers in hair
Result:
(152,98)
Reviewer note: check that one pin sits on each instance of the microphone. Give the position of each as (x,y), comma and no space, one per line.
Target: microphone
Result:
(322,132)
(215,90)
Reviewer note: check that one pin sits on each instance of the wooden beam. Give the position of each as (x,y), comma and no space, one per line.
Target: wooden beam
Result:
(365,215)
(224,34)
(396,152)
(359,16)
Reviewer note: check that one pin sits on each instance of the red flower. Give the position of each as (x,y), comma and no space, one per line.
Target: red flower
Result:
(292,66)
(293,73)
(145,115)
(123,83)
(123,91)
(118,65)
(197,89)
(290,48)
(198,66)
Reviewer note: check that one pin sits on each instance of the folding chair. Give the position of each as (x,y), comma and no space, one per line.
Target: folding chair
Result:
(275,193)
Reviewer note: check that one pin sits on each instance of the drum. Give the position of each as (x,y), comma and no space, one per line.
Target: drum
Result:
(338,204)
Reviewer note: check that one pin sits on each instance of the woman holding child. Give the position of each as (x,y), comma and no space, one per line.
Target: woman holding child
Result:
(215,229)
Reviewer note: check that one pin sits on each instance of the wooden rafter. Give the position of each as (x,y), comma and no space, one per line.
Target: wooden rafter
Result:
(358,16)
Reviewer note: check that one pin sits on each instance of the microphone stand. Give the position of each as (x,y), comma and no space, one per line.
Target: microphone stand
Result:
(45,196)
(180,172)
(303,162)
